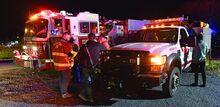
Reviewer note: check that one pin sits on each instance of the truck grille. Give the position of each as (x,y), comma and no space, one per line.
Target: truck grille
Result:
(125,58)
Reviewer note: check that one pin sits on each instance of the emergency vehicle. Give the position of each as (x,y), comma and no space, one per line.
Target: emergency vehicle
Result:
(44,27)
(155,56)
(117,29)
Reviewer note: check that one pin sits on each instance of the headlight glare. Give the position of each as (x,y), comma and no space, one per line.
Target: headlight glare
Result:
(158,60)
(34,48)
(24,47)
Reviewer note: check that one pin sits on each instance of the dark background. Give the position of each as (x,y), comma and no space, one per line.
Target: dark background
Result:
(14,13)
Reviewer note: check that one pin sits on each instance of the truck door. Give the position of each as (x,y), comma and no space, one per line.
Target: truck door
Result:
(186,51)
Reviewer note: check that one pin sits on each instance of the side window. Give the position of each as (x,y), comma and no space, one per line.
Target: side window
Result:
(93,27)
(87,27)
(183,38)
(84,27)
(57,28)
(183,34)
(67,25)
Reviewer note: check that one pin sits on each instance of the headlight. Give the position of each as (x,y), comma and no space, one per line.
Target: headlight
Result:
(24,47)
(34,48)
(158,60)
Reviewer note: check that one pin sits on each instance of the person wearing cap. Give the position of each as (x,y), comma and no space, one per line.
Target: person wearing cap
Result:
(88,56)
(63,55)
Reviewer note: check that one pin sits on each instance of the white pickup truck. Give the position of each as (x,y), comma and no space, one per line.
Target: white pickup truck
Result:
(154,57)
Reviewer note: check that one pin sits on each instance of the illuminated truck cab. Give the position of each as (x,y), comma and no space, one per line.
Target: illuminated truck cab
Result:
(45,27)
(154,56)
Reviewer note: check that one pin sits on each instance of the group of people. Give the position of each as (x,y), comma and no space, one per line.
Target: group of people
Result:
(64,53)
(88,55)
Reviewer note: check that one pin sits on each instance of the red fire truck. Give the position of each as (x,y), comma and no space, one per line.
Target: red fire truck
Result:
(46,25)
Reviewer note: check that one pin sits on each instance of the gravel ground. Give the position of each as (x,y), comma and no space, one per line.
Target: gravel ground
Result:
(25,88)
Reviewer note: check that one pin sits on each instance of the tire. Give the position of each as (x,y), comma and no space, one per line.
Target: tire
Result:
(172,83)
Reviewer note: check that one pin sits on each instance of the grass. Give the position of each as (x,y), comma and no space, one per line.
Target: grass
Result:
(213,67)
(7,52)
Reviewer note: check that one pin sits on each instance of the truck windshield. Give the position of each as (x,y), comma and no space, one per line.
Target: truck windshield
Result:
(37,28)
(155,35)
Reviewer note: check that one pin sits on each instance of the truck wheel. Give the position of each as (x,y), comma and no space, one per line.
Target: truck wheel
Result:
(170,87)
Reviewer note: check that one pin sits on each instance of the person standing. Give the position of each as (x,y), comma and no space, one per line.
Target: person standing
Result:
(88,56)
(103,40)
(199,60)
(63,55)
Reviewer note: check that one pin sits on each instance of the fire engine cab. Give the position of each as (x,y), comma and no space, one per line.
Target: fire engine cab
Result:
(154,56)
(43,27)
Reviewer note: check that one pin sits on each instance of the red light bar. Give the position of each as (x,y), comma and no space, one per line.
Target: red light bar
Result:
(168,20)
(43,13)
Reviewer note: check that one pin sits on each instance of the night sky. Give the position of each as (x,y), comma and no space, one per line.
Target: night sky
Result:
(16,12)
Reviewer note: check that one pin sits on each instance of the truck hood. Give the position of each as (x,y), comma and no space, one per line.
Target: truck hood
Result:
(140,46)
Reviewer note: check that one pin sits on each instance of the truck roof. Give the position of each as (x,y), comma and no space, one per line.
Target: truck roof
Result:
(153,27)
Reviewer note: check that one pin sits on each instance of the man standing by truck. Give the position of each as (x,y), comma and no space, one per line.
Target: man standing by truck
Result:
(63,55)
(88,58)
(199,60)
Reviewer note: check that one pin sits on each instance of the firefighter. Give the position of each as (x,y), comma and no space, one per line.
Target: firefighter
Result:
(63,55)
(88,58)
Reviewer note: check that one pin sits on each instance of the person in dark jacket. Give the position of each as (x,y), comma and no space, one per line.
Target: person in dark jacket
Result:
(88,56)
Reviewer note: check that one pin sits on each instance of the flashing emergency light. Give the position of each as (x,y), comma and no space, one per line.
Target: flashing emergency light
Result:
(168,20)
(43,13)
(34,48)
(34,17)
(63,12)
(31,31)
(144,27)
(157,26)
(25,30)
(201,24)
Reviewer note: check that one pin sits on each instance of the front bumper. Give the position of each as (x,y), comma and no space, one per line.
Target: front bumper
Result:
(151,80)
(130,76)
(33,63)
(24,62)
